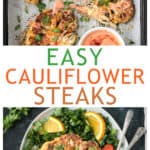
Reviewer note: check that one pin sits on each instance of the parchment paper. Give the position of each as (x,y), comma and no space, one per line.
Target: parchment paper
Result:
(129,31)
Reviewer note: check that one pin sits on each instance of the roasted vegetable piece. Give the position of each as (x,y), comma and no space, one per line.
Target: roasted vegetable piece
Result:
(54,29)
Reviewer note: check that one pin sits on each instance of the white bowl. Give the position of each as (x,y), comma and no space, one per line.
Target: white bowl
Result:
(49,112)
(112,31)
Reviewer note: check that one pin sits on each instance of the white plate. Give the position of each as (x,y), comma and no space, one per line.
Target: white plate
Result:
(50,111)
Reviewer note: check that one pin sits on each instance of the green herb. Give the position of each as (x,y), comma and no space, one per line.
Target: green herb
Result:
(26,9)
(34,138)
(76,148)
(101,2)
(13,116)
(38,37)
(18,19)
(104,2)
(56,30)
(131,42)
(55,38)
(41,6)
(17,27)
(75,122)
(84,19)
(46,20)
(67,3)
(110,136)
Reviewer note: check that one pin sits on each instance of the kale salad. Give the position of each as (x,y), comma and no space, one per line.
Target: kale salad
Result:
(88,125)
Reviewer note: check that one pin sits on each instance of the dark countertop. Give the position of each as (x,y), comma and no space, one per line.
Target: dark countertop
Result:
(13,137)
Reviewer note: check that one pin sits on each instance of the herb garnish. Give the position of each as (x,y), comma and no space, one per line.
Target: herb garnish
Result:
(84,19)
(67,3)
(41,6)
(55,38)
(17,27)
(56,30)
(26,9)
(45,20)
(104,2)
(131,42)
(38,37)
(18,19)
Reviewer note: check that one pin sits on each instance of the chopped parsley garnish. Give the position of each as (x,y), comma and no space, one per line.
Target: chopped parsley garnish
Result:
(56,30)
(84,19)
(46,20)
(18,19)
(41,6)
(104,2)
(38,37)
(67,3)
(131,42)
(17,27)
(101,2)
(55,38)
(26,9)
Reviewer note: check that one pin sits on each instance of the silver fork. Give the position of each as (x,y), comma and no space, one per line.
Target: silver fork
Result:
(139,133)
(127,121)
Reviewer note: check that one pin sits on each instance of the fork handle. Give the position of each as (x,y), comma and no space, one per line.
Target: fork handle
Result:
(127,121)
(139,133)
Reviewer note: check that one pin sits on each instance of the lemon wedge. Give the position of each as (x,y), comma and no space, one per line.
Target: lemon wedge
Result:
(98,124)
(53,125)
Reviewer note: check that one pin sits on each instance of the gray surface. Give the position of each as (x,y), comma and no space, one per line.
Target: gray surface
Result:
(129,31)
(12,139)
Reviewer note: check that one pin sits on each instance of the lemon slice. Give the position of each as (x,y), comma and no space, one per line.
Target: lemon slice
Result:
(53,125)
(98,124)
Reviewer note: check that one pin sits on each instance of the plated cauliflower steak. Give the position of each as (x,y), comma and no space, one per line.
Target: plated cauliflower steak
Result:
(70,142)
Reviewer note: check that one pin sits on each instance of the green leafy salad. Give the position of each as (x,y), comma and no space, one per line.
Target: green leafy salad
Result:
(73,121)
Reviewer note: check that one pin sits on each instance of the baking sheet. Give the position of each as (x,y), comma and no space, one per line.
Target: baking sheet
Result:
(131,31)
